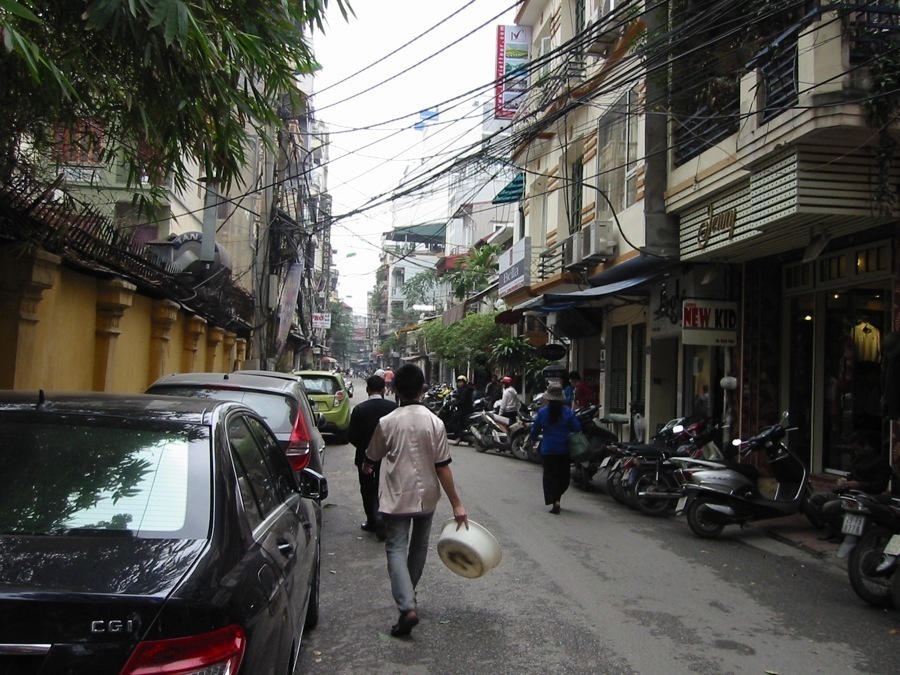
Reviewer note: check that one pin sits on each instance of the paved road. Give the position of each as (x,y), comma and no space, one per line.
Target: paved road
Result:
(597,589)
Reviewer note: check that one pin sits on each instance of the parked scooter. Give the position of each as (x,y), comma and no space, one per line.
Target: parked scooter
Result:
(601,439)
(871,529)
(714,498)
(492,431)
(655,490)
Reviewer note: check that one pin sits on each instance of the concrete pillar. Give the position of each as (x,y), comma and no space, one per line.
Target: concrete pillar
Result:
(227,351)
(193,330)
(114,296)
(162,318)
(213,340)
(23,281)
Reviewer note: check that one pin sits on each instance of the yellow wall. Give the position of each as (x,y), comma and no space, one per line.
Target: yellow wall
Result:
(67,331)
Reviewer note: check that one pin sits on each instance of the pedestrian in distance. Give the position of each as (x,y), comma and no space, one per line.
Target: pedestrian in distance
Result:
(509,402)
(411,443)
(363,421)
(493,391)
(870,472)
(581,392)
(555,421)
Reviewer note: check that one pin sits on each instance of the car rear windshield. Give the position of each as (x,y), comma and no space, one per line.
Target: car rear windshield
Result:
(102,476)
(278,411)
(318,384)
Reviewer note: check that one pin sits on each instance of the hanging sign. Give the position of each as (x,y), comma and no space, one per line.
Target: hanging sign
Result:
(709,322)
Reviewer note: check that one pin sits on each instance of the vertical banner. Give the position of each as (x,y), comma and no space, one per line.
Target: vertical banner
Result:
(288,305)
(513,57)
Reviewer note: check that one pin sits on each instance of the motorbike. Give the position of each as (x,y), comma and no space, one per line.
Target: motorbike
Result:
(871,529)
(459,431)
(435,396)
(492,431)
(600,437)
(655,489)
(730,495)
(623,457)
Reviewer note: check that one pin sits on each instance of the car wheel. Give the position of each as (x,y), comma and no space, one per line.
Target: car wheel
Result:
(312,608)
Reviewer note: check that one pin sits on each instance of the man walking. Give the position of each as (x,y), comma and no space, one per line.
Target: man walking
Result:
(412,443)
(363,421)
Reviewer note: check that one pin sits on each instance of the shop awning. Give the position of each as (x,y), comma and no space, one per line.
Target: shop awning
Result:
(557,302)
(513,192)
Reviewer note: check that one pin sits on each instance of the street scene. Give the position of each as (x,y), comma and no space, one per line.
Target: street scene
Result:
(487,336)
(598,589)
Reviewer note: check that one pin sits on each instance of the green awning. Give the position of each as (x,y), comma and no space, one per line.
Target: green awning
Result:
(513,192)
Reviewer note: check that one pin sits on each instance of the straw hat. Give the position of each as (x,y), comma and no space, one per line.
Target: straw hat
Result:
(554,393)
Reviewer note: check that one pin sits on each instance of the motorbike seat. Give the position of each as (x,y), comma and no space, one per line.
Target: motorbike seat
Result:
(643,449)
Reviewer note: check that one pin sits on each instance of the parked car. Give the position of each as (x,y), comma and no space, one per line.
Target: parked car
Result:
(147,534)
(279,397)
(332,399)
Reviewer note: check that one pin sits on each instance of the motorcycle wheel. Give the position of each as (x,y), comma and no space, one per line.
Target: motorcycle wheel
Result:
(700,525)
(652,505)
(476,442)
(895,588)
(581,476)
(534,452)
(614,486)
(864,558)
(517,444)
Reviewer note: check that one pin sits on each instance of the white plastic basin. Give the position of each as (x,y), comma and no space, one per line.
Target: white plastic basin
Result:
(470,553)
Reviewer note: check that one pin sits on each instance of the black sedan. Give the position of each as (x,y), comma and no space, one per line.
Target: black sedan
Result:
(151,534)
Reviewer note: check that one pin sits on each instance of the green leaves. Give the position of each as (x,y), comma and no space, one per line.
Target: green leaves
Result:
(195,80)
(462,340)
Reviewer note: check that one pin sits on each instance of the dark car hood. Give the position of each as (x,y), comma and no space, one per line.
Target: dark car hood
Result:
(68,588)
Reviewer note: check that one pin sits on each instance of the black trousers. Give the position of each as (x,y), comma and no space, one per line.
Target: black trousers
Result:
(557,474)
(368,490)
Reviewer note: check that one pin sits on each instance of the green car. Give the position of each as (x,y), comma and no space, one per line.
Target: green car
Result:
(332,400)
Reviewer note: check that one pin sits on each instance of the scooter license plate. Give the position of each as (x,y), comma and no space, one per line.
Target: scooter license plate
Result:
(679,507)
(853,524)
(893,546)
(605,461)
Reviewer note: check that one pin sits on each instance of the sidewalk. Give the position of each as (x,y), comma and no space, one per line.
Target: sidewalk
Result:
(797,531)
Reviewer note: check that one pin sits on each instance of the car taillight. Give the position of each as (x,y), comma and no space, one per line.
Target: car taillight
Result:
(299,445)
(338,397)
(218,653)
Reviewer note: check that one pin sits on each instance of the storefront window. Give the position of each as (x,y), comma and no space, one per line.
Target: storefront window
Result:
(855,321)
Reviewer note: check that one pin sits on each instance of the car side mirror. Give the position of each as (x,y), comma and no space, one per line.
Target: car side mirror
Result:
(320,422)
(312,485)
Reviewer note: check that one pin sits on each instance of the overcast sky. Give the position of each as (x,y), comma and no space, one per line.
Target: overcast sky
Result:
(372,136)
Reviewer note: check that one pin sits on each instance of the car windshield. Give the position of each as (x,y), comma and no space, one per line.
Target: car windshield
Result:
(103,476)
(321,384)
(278,411)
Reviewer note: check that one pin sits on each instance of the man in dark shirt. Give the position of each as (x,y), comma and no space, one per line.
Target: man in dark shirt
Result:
(869,472)
(363,421)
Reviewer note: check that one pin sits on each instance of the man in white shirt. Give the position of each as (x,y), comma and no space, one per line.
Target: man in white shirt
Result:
(411,443)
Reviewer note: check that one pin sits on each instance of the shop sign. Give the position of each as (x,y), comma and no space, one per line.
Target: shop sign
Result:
(716,223)
(513,64)
(321,320)
(553,351)
(515,267)
(709,322)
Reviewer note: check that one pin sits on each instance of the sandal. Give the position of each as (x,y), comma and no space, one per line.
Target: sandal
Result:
(405,624)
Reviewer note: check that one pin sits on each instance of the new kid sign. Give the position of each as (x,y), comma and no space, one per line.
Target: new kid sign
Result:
(709,322)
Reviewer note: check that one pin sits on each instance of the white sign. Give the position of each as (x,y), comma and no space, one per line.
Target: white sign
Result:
(709,322)
(515,267)
(321,320)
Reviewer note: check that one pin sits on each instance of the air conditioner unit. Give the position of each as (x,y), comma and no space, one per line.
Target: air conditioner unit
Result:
(598,243)
(572,253)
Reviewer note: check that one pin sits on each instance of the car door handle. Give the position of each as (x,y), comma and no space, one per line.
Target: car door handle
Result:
(284,548)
